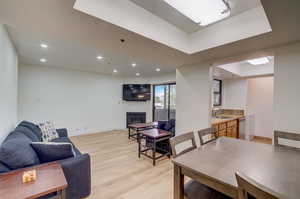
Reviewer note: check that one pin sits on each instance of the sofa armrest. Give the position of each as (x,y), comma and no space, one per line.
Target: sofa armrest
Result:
(62,132)
(78,174)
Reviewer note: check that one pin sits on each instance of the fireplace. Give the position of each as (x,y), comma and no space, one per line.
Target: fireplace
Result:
(135,117)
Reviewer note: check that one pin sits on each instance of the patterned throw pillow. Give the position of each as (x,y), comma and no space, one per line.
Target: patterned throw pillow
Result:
(48,131)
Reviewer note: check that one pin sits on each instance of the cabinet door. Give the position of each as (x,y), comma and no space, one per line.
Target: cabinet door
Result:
(229,132)
(222,133)
(234,132)
(222,126)
(232,123)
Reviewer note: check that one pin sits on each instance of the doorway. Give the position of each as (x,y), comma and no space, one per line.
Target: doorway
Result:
(164,102)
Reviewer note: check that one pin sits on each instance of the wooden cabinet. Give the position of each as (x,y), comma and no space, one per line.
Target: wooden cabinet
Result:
(229,128)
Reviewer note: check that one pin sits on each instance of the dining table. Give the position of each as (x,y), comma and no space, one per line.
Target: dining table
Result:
(215,165)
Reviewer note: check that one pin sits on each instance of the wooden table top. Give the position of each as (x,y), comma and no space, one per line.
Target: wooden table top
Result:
(50,178)
(142,125)
(155,133)
(274,167)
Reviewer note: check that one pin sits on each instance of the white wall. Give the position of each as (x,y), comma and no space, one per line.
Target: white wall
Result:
(286,88)
(193,98)
(255,96)
(260,104)
(8,84)
(80,101)
(234,94)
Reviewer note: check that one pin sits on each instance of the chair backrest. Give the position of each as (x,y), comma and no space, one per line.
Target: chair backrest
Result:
(207,135)
(248,186)
(175,141)
(292,137)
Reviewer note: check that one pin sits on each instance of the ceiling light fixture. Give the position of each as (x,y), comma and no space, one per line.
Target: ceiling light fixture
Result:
(202,12)
(157,70)
(133,65)
(259,61)
(43,60)
(137,74)
(99,57)
(44,46)
(115,70)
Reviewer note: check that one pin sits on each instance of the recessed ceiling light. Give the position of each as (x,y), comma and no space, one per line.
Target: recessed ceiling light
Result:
(43,60)
(157,70)
(259,61)
(44,45)
(99,57)
(133,65)
(202,12)
(137,74)
(115,70)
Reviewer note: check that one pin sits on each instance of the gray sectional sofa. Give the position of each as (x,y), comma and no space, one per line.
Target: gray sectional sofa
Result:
(16,153)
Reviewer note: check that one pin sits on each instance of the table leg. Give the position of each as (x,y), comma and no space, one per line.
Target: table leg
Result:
(154,152)
(139,141)
(129,133)
(178,183)
(61,194)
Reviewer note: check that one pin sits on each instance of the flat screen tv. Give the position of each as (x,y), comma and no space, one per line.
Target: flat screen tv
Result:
(136,92)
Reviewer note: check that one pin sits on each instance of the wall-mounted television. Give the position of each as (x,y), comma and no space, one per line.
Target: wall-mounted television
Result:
(136,92)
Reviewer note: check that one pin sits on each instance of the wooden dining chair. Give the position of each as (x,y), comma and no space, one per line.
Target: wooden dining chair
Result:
(294,137)
(207,135)
(249,189)
(192,189)
(187,138)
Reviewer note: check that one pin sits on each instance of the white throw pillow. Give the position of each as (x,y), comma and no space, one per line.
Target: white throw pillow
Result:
(48,131)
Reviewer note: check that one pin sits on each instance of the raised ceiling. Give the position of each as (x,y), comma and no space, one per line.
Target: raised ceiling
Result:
(75,39)
(168,13)
(130,16)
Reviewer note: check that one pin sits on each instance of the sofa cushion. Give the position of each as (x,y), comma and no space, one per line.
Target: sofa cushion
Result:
(48,131)
(161,124)
(3,168)
(52,151)
(30,134)
(62,139)
(34,128)
(17,153)
(66,139)
(14,135)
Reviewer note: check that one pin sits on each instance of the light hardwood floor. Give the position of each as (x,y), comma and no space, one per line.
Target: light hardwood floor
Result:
(118,173)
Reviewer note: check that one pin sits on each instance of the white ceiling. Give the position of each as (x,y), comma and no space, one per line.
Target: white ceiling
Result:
(75,39)
(131,16)
(163,10)
(244,69)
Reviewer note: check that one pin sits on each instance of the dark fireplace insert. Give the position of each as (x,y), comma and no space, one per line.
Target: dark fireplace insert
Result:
(135,117)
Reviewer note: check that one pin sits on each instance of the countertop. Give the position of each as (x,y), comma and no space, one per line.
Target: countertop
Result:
(216,120)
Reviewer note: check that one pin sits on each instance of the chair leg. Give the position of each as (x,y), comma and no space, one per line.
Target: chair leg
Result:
(154,152)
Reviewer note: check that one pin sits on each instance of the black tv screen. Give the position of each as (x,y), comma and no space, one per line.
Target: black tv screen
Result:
(136,92)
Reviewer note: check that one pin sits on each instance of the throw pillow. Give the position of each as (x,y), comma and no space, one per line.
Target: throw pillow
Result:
(52,151)
(17,153)
(48,131)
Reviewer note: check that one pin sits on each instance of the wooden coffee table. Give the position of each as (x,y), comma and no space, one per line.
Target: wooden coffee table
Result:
(139,127)
(50,179)
(152,137)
